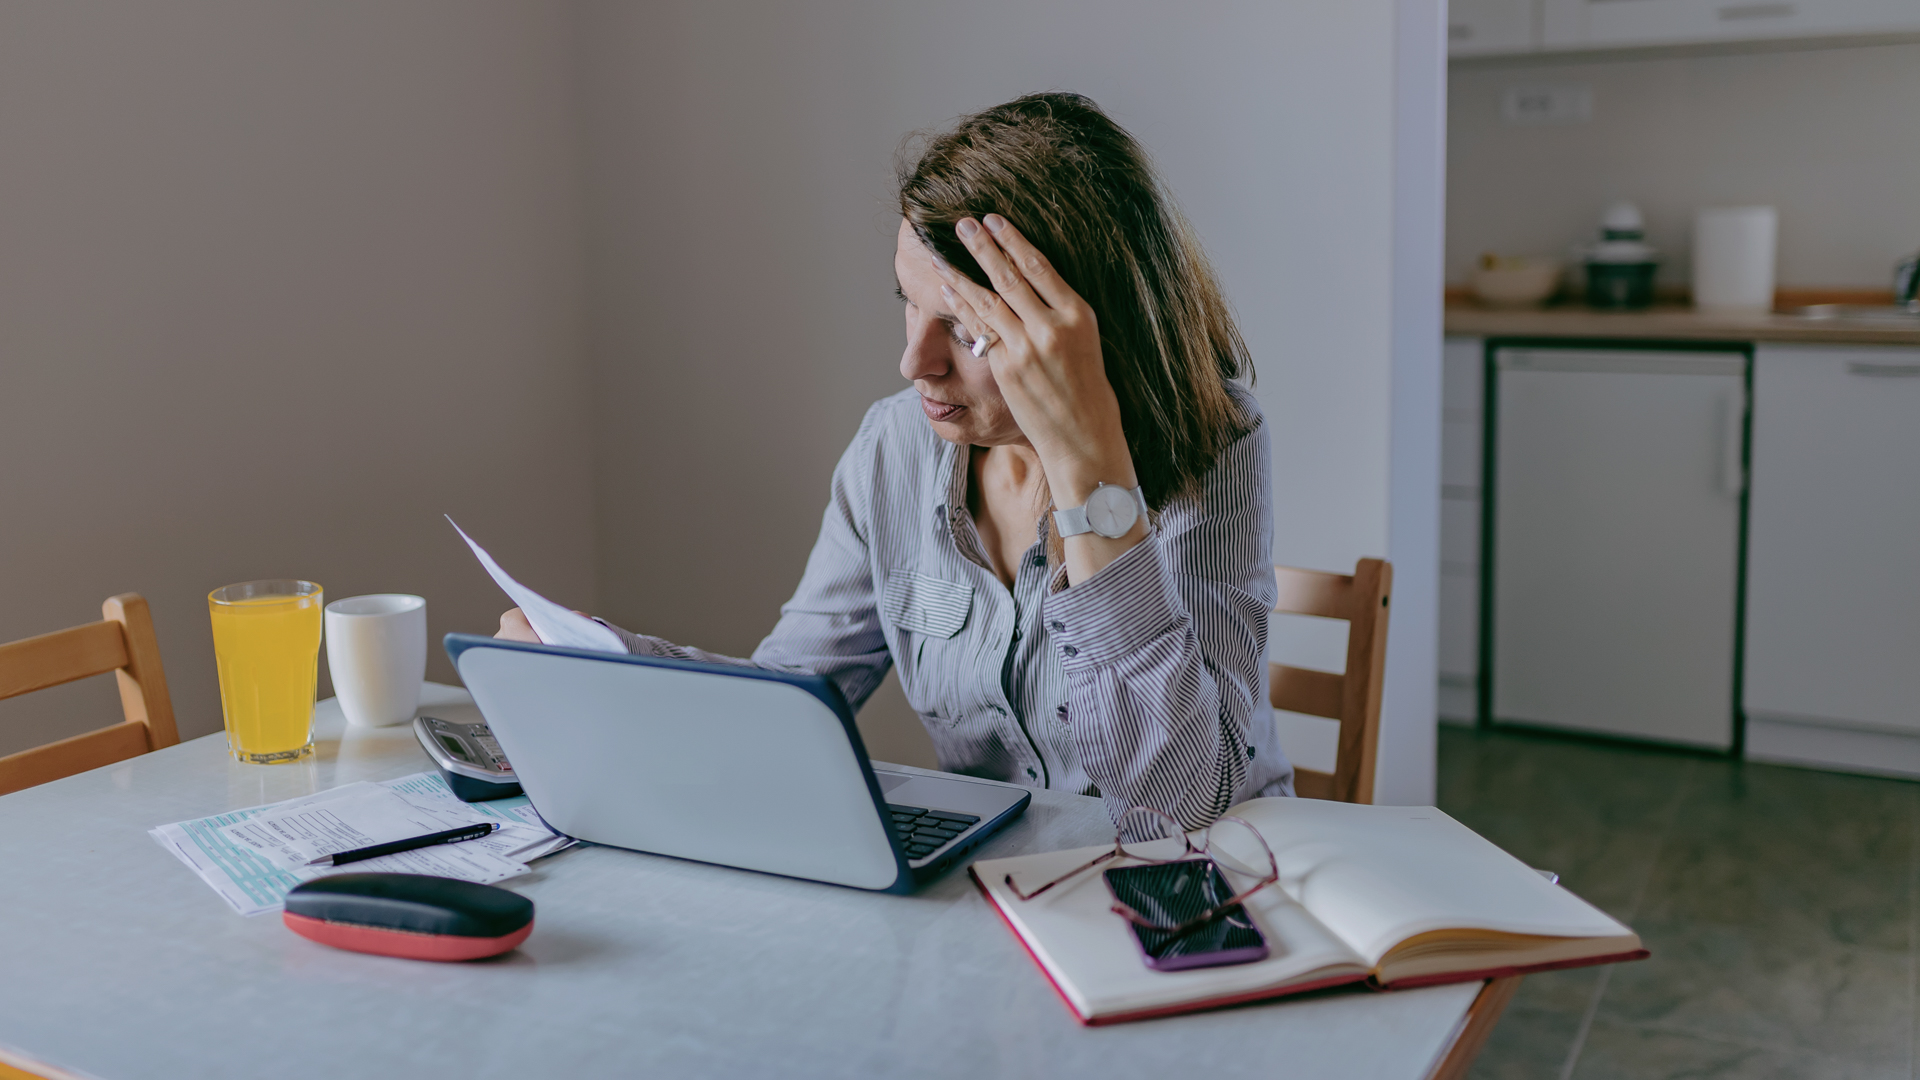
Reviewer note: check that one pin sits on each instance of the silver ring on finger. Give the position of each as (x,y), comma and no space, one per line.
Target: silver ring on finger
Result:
(985,341)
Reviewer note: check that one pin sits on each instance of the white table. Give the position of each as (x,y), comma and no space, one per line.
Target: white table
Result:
(117,963)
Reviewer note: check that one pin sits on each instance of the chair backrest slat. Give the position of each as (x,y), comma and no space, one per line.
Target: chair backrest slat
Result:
(1304,690)
(1313,592)
(1308,784)
(123,643)
(75,755)
(1351,698)
(63,656)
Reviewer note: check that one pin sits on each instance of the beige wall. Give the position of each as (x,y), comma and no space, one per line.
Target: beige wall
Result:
(1830,136)
(742,309)
(279,284)
(611,282)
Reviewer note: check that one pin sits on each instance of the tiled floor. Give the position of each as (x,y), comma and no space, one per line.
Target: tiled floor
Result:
(1782,907)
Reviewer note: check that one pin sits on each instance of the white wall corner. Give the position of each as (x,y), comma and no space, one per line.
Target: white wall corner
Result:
(1406,769)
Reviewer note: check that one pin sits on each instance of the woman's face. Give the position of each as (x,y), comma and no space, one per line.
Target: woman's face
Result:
(957,390)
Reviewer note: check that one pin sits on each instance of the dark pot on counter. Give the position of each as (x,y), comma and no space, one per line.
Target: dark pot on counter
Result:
(1620,265)
(1620,284)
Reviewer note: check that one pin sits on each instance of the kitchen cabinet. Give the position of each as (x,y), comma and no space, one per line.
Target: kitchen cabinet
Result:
(1618,476)
(1611,23)
(1488,27)
(1508,27)
(1832,671)
(1827,602)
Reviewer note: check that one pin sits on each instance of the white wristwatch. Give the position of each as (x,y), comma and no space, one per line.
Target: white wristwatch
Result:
(1110,512)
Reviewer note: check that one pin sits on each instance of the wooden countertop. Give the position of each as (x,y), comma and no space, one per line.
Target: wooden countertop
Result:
(1670,322)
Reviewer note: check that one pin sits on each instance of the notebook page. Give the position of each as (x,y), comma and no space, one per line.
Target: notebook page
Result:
(1377,875)
(1092,957)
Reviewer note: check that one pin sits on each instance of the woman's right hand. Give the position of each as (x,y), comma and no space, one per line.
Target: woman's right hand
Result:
(515,627)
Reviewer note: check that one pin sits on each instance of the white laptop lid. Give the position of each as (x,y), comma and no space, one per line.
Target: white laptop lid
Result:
(752,769)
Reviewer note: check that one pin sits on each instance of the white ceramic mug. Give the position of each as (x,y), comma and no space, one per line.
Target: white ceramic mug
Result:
(377,653)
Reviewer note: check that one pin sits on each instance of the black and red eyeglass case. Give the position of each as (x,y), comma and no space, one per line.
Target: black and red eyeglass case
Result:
(409,915)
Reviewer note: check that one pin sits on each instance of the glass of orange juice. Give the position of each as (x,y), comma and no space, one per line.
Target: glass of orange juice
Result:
(266,641)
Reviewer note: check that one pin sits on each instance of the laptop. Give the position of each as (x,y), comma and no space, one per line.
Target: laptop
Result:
(735,766)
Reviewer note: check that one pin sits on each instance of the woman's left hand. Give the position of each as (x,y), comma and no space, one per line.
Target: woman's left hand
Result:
(1046,359)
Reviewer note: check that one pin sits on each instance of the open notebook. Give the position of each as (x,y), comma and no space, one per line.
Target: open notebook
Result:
(1397,895)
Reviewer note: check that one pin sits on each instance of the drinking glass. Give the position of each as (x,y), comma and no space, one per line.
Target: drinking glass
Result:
(266,641)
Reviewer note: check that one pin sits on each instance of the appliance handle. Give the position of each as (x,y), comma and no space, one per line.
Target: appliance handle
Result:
(1733,423)
(1733,12)
(1882,370)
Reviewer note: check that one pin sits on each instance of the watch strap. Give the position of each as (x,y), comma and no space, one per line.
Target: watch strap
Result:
(1071,521)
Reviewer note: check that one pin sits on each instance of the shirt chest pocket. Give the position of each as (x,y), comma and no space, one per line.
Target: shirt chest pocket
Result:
(926,605)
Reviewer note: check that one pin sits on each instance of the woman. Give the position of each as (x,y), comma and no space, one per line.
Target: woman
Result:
(1069,351)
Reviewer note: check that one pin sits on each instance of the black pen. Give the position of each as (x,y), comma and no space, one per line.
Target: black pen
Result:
(393,847)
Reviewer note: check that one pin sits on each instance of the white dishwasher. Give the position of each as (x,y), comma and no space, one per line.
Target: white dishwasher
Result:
(1617,481)
(1833,593)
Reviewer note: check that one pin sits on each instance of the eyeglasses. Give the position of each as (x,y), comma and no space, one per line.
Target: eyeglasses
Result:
(1213,846)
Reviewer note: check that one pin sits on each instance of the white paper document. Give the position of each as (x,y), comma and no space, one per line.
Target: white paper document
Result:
(293,837)
(555,624)
(252,857)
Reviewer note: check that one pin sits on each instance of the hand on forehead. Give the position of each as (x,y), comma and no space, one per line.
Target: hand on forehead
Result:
(918,282)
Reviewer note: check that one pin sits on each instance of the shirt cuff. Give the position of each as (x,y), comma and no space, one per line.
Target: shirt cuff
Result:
(1117,611)
(637,644)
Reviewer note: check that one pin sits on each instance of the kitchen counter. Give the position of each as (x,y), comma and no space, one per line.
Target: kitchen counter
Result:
(1669,323)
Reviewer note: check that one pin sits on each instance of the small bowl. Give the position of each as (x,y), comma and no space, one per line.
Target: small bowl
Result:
(1516,282)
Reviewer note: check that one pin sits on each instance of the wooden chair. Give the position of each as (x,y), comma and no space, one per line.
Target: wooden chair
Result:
(1352,698)
(122,643)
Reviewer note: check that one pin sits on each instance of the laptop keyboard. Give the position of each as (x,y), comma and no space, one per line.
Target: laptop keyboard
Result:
(923,831)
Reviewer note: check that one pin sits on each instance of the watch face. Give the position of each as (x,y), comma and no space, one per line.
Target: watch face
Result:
(1111,512)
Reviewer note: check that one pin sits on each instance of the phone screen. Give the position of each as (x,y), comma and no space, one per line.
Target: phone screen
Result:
(1172,893)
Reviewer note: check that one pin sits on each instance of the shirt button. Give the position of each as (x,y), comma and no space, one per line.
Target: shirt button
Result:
(1061,712)
(1031,775)
(999,710)
(1039,560)
(1249,753)
(1070,650)
(1057,626)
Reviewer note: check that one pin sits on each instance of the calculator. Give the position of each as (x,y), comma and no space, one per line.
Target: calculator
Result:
(469,758)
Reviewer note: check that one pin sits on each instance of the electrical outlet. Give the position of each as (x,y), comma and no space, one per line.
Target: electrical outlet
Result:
(1534,105)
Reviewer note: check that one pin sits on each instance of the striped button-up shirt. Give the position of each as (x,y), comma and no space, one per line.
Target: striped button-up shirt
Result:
(1144,684)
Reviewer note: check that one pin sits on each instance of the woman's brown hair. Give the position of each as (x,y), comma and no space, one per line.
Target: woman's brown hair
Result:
(1083,191)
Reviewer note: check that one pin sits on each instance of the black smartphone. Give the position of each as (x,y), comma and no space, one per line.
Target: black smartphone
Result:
(1172,893)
